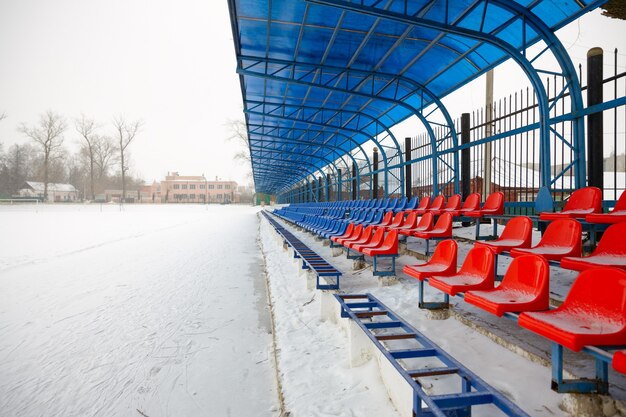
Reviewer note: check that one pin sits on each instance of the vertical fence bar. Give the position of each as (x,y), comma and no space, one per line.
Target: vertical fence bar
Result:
(465,155)
(407,167)
(595,121)
(375,176)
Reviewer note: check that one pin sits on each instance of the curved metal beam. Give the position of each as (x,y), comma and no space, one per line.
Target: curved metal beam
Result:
(510,50)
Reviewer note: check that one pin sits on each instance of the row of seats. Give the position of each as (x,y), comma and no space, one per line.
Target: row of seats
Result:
(586,203)
(593,313)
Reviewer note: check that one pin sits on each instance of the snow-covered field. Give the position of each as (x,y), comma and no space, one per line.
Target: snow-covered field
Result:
(150,311)
(163,311)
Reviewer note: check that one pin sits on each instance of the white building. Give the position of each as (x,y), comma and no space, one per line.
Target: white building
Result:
(56,192)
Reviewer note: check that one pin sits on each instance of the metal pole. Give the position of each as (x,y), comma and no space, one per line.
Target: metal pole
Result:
(375,176)
(355,182)
(488,133)
(328,179)
(465,155)
(595,121)
(339,186)
(407,167)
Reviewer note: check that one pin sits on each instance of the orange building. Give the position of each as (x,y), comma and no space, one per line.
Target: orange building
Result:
(197,189)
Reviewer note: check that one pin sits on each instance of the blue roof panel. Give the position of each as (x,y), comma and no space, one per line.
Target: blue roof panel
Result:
(365,71)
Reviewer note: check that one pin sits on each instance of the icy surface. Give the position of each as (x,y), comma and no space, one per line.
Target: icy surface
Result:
(153,311)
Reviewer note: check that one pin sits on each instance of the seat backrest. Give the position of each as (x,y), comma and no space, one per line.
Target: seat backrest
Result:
(426,221)
(349,230)
(367,232)
(621,203)
(438,202)
(397,220)
(411,220)
(454,202)
(585,198)
(562,232)
(528,274)
(391,240)
(613,241)
(401,203)
(519,228)
(377,217)
(495,201)
(378,237)
(445,253)
(600,292)
(444,222)
(388,217)
(424,203)
(472,202)
(479,261)
(356,231)
(412,204)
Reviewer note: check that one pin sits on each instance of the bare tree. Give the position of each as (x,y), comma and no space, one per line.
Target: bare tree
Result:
(239,134)
(87,129)
(104,153)
(48,134)
(125,133)
(3,116)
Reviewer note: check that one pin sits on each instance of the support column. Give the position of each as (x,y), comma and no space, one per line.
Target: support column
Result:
(319,189)
(328,179)
(407,168)
(375,176)
(488,133)
(595,121)
(339,186)
(355,183)
(465,155)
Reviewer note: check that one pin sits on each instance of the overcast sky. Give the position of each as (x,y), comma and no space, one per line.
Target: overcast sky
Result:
(171,64)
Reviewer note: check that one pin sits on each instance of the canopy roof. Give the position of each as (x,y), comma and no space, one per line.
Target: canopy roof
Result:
(321,77)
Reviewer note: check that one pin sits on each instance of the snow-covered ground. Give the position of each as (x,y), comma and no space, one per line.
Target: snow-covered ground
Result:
(150,311)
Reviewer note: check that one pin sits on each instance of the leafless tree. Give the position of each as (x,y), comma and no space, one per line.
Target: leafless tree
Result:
(48,134)
(239,134)
(3,116)
(104,155)
(125,133)
(86,128)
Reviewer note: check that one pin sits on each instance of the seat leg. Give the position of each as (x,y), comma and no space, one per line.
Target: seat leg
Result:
(477,233)
(599,385)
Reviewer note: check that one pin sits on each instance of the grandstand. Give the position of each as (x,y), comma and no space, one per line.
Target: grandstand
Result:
(324,82)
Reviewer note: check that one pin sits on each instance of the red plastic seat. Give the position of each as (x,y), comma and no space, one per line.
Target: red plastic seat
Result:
(619,361)
(397,221)
(437,204)
(562,238)
(364,237)
(443,228)
(452,206)
(516,234)
(582,202)
(388,247)
(593,313)
(525,287)
(387,219)
(422,207)
(471,203)
(617,215)
(376,240)
(409,223)
(494,205)
(611,251)
(356,232)
(347,233)
(442,263)
(425,223)
(476,273)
